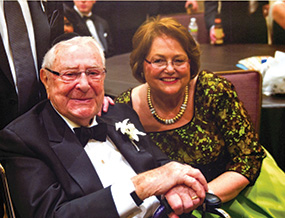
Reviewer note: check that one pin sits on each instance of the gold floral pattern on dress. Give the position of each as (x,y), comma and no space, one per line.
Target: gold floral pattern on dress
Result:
(219,138)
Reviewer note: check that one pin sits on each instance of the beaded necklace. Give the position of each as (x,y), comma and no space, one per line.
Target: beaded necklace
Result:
(174,119)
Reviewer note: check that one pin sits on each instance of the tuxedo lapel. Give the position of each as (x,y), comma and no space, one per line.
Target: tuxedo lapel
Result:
(41,28)
(101,32)
(140,160)
(70,152)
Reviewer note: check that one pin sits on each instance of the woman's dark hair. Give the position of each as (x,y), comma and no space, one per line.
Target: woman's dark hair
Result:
(155,27)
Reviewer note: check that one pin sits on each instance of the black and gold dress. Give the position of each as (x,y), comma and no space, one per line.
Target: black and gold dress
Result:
(219,138)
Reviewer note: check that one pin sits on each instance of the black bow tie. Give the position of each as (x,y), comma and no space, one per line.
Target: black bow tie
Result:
(98,132)
(86,18)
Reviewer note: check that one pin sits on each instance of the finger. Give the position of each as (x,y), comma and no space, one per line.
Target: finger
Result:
(173,215)
(99,113)
(110,100)
(196,186)
(195,6)
(198,176)
(190,200)
(107,101)
(175,202)
(195,199)
(188,204)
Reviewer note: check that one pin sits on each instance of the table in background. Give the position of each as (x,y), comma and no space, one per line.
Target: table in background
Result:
(213,58)
(219,58)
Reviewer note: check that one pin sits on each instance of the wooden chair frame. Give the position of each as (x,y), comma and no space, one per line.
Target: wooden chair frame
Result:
(7,197)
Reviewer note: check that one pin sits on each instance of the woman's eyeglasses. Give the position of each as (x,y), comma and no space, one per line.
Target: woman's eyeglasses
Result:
(160,63)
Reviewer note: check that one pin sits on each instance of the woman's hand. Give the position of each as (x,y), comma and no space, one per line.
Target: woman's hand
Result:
(182,199)
(106,102)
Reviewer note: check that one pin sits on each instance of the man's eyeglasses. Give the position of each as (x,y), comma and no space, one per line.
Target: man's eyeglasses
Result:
(162,63)
(94,74)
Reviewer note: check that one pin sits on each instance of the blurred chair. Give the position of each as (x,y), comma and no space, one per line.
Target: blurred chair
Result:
(7,197)
(184,19)
(248,85)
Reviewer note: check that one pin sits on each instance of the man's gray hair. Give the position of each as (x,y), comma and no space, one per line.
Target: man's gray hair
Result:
(49,57)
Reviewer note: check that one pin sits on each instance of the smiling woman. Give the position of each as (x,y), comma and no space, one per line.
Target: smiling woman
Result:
(194,117)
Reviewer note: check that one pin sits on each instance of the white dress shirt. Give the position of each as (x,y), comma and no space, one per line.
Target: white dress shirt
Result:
(113,169)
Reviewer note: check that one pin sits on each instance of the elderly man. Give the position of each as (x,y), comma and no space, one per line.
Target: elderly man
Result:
(54,171)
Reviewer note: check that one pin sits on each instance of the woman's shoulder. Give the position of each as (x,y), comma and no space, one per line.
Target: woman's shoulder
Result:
(211,83)
(124,97)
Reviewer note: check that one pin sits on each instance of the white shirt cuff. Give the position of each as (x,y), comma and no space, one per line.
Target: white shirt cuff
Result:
(121,195)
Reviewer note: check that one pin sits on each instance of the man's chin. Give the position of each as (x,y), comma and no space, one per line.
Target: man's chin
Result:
(83,117)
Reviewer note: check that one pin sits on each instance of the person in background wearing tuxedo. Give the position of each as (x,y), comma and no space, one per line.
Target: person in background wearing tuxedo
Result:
(55,171)
(43,21)
(86,23)
(243,21)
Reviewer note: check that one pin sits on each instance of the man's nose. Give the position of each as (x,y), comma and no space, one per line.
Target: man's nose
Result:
(83,82)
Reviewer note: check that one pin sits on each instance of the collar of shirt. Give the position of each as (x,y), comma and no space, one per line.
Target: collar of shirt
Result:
(72,124)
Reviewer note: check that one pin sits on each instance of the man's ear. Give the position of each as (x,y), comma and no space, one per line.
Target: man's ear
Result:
(44,78)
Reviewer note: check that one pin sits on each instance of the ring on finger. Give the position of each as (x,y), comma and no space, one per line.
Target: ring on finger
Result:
(194,197)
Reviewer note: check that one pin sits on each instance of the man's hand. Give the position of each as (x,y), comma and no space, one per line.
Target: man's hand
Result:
(192,3)
(180,183)
(106,102)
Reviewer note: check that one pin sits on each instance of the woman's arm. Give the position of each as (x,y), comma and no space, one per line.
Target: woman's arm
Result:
(278,13)
(228,185)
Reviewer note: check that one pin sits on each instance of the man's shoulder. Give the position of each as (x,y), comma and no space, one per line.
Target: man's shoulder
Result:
(120,112)
(28,119)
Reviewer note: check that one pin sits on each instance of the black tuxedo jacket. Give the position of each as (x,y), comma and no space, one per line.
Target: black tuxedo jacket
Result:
(49,172)
(101,26)
(46,27)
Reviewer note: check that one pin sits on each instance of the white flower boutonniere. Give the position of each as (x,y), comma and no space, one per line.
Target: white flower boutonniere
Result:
(130,130)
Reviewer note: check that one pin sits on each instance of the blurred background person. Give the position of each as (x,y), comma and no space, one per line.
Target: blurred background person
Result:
(192,4)
(242,21)
(86,23)
(68,27)
(275,15)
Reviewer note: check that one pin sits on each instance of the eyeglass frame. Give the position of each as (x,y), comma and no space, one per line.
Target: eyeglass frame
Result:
(78,73)
(167,63)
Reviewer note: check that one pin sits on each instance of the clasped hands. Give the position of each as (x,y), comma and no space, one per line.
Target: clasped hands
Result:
(183,186)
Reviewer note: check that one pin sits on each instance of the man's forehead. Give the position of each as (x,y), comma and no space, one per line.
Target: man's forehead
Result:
(76,54)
